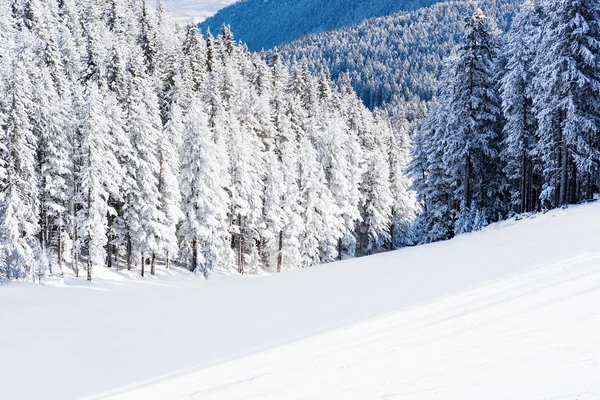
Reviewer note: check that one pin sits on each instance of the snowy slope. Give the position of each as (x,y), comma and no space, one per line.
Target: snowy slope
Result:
(193,10)
(512,312)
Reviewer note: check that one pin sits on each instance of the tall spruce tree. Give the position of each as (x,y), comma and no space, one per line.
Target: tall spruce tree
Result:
(567,100)
(519,133)
(474,125)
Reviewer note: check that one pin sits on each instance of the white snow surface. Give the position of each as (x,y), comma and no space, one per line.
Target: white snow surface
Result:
(193,10)
(512,312)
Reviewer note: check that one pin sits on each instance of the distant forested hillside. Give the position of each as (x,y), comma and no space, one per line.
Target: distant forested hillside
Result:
(397,58)
(264,24)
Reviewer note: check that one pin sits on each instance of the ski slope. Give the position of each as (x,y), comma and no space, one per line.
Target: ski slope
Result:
(512,312)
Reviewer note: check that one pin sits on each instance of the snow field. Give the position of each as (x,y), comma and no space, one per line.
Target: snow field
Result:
(510,312)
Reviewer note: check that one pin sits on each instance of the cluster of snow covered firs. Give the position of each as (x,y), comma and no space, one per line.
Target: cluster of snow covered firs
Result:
(516,125)
(127,141)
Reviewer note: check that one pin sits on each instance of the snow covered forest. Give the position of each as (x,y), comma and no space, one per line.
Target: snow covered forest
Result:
(130,142)
(515,127)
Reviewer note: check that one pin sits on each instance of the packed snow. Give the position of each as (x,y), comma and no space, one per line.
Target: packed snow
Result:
(512,312)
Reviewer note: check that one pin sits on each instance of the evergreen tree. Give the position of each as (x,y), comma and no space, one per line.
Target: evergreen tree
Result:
(204,199)
(377,201)
(144,214)
(567,100)
(474,122)
(430,176)
(517,102)
(405,209)
(19,202)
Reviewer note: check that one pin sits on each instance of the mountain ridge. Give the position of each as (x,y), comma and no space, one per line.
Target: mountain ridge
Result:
(266,24)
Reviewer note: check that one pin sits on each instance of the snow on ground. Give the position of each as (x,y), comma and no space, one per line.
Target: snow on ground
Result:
(193,10)
(509,313)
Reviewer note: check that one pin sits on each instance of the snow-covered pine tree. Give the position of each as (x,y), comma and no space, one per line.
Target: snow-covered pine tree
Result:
(519,134)
(204,199)
(273,129)
(245,168)
(195,59)
(94,177)
(567,100)
(19,201)
(52,99)
(287,118)
(405,208)
(474,124)
(144,216)
(431,180)
(316,203)
(377,200)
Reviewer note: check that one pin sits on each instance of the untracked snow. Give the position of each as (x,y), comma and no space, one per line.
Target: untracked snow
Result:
(512,312)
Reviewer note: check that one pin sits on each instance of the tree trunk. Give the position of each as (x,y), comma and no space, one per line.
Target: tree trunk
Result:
(280,253)
(43,228)
(524,193)
(59,250)
(47,231)
(129,252)
(240,246)
(153,265)
(261,255)
(531,199)
(575,185)
(109,256)
(74,250)
(195,254)
(467,183)
(564,173)
(89,261)
(167,259)
(143,265)
(109,246)
(340,249)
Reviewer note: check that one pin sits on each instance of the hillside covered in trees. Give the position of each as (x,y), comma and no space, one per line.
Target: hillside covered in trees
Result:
(127,141)
(132,142)
(395,61)
(515,127)
(265,24)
